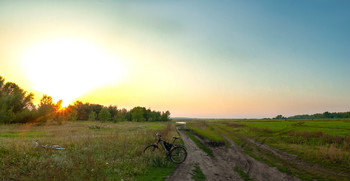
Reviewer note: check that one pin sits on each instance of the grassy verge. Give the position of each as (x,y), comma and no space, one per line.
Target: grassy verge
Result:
(206,130)
(180,141)
(199,144)
(197,173)
(157,173)
(243,175)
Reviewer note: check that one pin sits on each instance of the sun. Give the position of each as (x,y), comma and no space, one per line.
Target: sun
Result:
(68,68)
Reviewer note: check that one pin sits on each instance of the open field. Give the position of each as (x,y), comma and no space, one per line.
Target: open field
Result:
(308,149)
(93,151)
(255,149)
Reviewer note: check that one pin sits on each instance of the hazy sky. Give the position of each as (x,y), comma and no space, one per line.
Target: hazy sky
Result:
(230,59)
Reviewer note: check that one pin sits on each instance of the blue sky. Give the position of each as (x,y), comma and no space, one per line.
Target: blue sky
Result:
(201,58)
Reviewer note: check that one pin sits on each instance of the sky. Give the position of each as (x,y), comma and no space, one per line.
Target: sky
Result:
(204,59)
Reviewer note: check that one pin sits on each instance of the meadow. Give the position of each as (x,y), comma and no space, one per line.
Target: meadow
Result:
(93,151)
(310,149)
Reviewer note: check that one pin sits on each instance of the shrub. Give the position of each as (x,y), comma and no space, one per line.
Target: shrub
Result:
(104,115)
(92,116)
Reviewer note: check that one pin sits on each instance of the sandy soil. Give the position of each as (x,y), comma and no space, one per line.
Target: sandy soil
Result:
(221,166)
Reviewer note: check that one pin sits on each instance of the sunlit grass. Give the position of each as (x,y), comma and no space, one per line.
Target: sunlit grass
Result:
(112,152)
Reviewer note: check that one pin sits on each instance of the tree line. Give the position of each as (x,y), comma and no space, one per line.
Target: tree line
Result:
(322,115)
(328,115)
(16,106)
(87,111)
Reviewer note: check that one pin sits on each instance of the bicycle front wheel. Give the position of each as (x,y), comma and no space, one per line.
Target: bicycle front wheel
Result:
(178,154)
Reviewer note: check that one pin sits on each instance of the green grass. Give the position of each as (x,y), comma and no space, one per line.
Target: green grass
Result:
(331,131)
(30,134)
(204,129)
(334,127)
(180,141)
(197,173)
(273,126)
(199,144)
(329,124)
(155,126)
(112,152)
(325,143)
(243,175)
(158,172)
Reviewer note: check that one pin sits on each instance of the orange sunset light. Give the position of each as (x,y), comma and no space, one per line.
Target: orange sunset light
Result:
(242,60)
(67,68)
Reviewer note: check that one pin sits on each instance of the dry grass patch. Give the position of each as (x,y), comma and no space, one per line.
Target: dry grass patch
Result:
(112,152)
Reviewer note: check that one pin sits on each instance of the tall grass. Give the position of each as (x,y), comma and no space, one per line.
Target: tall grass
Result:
(113,152)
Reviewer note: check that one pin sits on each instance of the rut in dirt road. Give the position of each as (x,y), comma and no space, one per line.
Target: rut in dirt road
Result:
(254,168)
(221,166)
(213,168)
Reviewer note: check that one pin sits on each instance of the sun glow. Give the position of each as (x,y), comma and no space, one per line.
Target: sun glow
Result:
(68,68)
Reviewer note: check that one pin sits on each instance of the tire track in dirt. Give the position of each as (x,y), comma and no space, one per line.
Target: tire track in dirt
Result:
(216,168)
(254,168)
(221,167)
(292,158)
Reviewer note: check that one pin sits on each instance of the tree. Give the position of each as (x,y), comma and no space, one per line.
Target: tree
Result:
(347,115)
(123,114)
(83,110)
(48,109)
(120,116)
(72,113)
(46,105)
(92,116)
(165,116)
(58,105)
(327,114)
(137,114)
(279,117)
(113,110)
(104,115)
(14,103)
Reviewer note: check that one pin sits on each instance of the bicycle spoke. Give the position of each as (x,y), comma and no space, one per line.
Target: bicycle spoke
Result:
(178,155)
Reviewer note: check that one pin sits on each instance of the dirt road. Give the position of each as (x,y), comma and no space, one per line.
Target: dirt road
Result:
(221,166)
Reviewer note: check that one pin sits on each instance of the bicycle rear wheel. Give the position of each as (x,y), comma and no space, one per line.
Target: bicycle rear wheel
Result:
(178,154)
(150,149)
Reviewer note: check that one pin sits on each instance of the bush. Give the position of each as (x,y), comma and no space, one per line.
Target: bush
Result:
(92,116)
(104,115)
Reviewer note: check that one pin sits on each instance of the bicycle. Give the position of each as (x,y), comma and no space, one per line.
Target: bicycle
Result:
(177,153)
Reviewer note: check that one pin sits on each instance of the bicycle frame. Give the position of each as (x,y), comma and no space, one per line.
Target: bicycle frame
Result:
(161,141)
(162,144)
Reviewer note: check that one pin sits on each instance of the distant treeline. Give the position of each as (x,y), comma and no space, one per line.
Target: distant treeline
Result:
(87,111)
(317,116)
(16,106)
(322,115)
